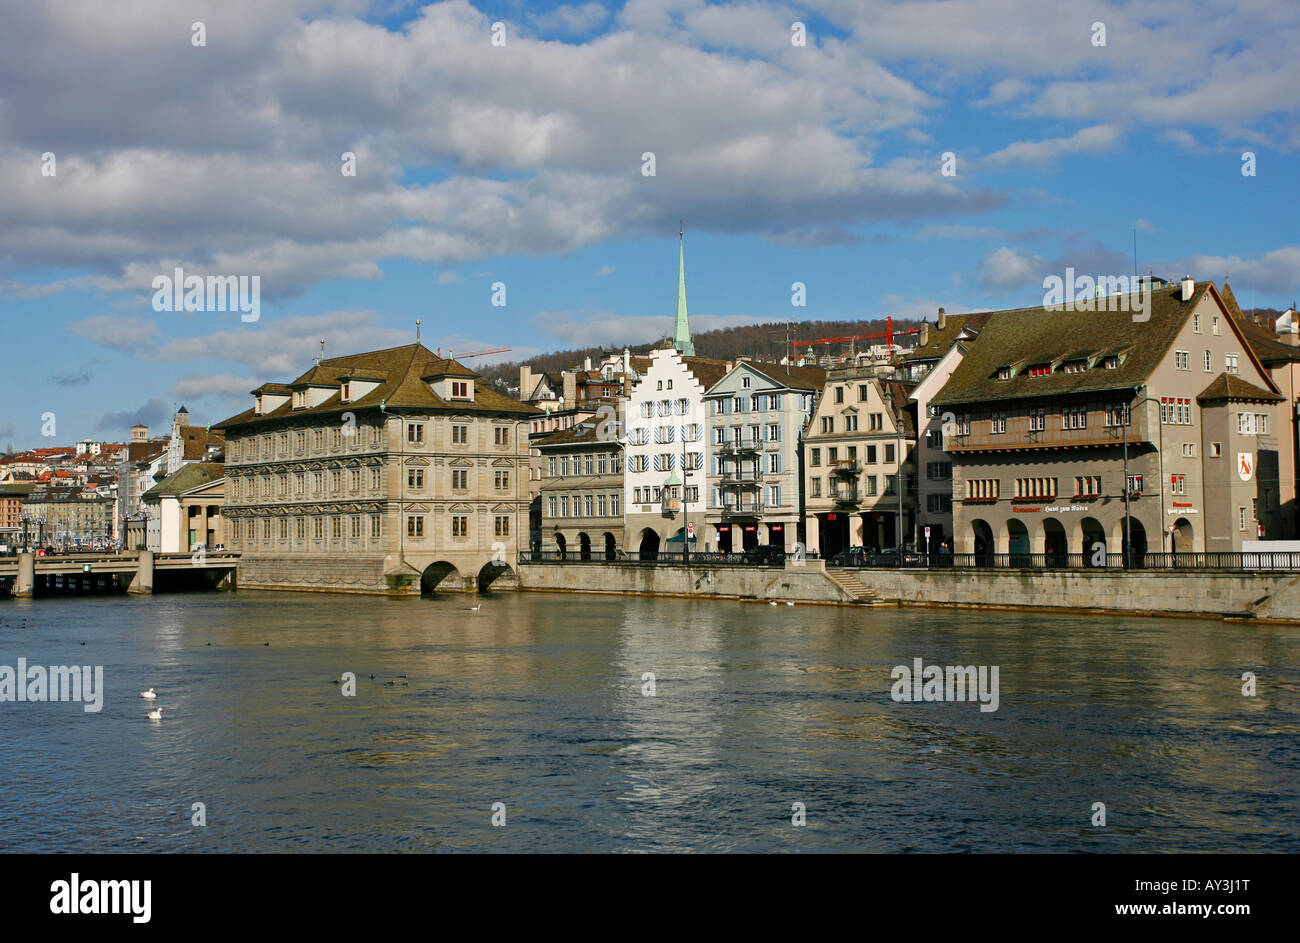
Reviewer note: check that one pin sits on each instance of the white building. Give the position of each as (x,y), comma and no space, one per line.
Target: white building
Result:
(667,453)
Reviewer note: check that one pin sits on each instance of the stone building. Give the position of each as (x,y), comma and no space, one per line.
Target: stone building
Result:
(756,414)
(1065,419)
(392,471)
(69,517)
(185,509)
(581,495)
(859,473)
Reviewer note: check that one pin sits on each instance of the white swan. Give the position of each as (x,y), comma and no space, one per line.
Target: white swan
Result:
(156,714)
(148,695)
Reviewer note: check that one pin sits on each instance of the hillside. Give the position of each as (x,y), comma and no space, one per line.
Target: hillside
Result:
(751,340)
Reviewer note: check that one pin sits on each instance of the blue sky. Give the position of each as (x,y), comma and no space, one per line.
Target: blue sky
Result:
(521,164)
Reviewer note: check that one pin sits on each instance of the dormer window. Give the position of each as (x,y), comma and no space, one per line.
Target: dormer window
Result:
(460,389)
(300,399)
(1040,369)
(1111,362)
(347,391)
(1076,366)
(1004,373)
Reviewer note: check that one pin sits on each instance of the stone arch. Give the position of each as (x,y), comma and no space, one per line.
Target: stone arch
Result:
(648,549)
(1093,537)
(584,546)
(561,545)
(499,573)
(1056,545)
(440,575)
(611,546)
(982,541)
(1018,542)
(1137,558)
(1183,536)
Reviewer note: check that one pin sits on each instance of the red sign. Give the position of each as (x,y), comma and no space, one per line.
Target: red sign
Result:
(1182,504)
(750,527)
(777,527)
(724,527)
(830,517)
(1026,510)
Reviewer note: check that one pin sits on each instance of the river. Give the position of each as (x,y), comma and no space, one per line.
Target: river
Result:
(538,701)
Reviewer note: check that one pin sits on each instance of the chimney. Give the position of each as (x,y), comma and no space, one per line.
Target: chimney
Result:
(1189,286)
(925,333)
(586,364)
(525,383)
(627,361)
(943,320)
(570,389)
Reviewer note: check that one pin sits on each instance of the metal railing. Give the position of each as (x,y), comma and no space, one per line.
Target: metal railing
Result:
(1079,561)
(662,558)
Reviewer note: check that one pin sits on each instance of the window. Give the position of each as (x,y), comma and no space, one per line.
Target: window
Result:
(963,425)
(459,525)
(938,471)
(1040,369)
(828,424)
(1177,484)
(1214,325)
(1209,361)
(889,453)
(664,434)
(460,478)
(1035,487)
(375,525)
(1182,360)
(982,489)
(501,480)
(999,423)
(1087,486)
(1241,518)
(1216,449)
(1134,484)
(415,433)
(1176,410)
(816,457)
(1004,373)
(1196,323)
(862,392)
(551,506)
(938,503)
(816,488)
(683,407)
(1074,417)
(1229,363)
(502,526)
(664,461)
(871,484)
(876,422)
(871,454)
(1189,450)
(1117,414)
(356,525)
(692,431)
(738,403)
(648,409)
(934,439)
(459,389)
(1076,366)
(774,463)
(336,526)
(851,422)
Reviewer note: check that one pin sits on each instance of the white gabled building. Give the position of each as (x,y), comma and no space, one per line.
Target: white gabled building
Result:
(667,453)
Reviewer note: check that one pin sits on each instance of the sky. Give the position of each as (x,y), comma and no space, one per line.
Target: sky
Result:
(905,155)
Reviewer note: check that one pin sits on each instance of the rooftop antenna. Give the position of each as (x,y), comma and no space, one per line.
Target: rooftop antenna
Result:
(417,332)
(1135,253)
(322,351)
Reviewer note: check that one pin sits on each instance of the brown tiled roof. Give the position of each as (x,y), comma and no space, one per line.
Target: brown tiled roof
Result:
(1265,344)
(195,441)
(899,394)
(191,476)
(1227,386)
(404,387)
(580,433)
(706,370)
(1038,335)
(939,342)
(794,377)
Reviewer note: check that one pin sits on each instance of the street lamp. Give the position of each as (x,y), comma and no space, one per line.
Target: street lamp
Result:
(1128,515)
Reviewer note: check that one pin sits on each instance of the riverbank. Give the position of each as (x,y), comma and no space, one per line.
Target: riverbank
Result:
(1263,597)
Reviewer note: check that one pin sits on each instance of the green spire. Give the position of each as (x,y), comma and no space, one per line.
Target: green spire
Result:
(682,332)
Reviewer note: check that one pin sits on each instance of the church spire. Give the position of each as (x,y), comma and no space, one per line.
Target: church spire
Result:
(682,331)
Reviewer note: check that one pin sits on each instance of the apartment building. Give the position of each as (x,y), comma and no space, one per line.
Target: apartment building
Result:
(391,471)
(581,495)
(756,414)
(1064,420)
(859,470)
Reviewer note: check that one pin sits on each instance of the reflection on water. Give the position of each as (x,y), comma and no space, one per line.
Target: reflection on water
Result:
(536,701)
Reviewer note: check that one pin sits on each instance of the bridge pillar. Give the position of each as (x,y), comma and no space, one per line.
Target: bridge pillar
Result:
(25,584)
(142,582)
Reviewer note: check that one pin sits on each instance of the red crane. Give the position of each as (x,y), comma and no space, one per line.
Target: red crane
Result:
(888,334)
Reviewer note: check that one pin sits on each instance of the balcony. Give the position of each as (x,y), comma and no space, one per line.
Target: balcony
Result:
(845,496)
(742,512)
(742,447)
(847,467)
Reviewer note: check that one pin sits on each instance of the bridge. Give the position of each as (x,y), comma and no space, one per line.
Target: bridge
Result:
(135,571)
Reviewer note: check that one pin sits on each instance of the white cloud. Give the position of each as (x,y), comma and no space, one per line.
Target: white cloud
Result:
(1086,140)
(605,270)
(117,333)
(619,330)
(1007,269)
(219,384)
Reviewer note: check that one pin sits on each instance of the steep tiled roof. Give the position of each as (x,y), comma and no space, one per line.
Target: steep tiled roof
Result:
(705,370)
(1231,387)
(938,342)
(582,433)
(404,370)
(899,394)
(794,377)
(1038,335)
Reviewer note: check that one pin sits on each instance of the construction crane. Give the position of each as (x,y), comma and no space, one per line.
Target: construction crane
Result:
(477,353)
(888,334)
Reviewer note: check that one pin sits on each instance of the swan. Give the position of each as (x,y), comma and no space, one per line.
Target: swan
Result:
(772,603)
(475,608)
(148,695)
(789,603)
(156,714)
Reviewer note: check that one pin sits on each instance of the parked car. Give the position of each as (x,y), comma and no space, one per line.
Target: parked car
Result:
(219,548)
(765,554)
(889,557)
(852,556)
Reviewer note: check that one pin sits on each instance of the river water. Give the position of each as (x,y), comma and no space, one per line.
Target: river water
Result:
(537,701)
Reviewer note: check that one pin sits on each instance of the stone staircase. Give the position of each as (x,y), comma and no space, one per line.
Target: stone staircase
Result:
(849,582)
